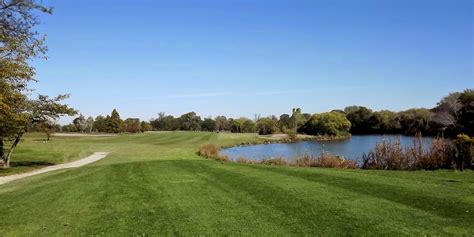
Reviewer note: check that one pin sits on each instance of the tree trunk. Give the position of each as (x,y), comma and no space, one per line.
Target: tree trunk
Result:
(2,151)
(6,163)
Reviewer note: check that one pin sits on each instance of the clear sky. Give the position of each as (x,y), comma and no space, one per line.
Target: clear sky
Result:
(240,58)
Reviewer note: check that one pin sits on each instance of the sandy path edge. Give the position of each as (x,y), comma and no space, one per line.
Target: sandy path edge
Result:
(78,163)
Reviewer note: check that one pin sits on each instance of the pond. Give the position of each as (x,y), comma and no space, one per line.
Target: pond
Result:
(352,148)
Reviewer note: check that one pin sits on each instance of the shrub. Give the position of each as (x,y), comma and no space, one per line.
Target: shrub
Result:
(465,151)
(243,160)
(391,156)
(274,161)
(222,158)
(209,151)
(325,160)
(441,154)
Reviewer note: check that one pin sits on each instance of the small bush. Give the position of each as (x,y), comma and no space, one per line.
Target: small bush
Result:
(243,160)
(441,155)
(465,151)
(209,151)
(274,161)
(222,158)
(325,160)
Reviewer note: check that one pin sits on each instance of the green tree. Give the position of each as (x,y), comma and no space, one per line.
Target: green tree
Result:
(466,113)
(20,43)
(284,122)
(100,124)
(297,119)
(359,117)
(331,123)
(145,126)
(209,125)
(38,111)
(249,126)
(113,123)
(222,123)
(242,125)
(80,123)
(165,123)
(446,115)
(415,121)
(267,126)
(190,122)
(385,122)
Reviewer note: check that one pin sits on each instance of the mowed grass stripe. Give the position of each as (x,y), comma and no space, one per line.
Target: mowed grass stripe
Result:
(313,207)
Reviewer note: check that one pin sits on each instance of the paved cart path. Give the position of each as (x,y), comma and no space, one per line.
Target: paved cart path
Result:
(78,163)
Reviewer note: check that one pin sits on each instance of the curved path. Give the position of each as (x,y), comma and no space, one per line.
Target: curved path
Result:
(78,163)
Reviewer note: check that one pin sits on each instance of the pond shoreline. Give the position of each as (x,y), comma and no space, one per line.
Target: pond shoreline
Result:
(302,138)
(353,147)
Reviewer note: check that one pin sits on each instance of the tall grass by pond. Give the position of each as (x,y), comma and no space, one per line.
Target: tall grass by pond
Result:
(386,155)
(390,155)
(325,159)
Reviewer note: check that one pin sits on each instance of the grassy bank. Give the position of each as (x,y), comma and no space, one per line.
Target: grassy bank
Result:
(156,184)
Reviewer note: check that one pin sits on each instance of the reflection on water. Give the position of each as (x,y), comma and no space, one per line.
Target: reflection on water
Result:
(352,148)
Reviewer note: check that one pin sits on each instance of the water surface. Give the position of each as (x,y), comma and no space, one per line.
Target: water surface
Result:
(352,148)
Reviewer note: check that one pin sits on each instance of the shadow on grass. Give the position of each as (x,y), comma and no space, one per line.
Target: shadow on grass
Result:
(30,164)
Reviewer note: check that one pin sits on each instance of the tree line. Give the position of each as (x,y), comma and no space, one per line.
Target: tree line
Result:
(454,114)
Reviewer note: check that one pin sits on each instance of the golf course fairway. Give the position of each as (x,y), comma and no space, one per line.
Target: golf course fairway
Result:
(155,184)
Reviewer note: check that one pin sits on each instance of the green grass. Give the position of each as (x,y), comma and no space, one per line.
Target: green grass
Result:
(155,184)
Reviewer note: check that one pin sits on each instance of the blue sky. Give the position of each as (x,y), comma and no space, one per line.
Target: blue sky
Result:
(240,58)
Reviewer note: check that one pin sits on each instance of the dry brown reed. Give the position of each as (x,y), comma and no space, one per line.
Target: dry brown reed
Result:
(390,155)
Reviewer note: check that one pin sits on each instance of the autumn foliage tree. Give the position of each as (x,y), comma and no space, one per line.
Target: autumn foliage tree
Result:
(19,45)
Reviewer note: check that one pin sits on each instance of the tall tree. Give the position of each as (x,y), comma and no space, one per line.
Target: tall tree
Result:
(209,125)
(132,125)
(90,124)
(190,122)
(298,119)
(100,124)
(284,122)
(20,43)
(446,112)
(80,123)
(266,126)
(114,123)
(466,113)
(359,117)
(416,121)
(145,126)
(385,122)
(331,123)
(222,123)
